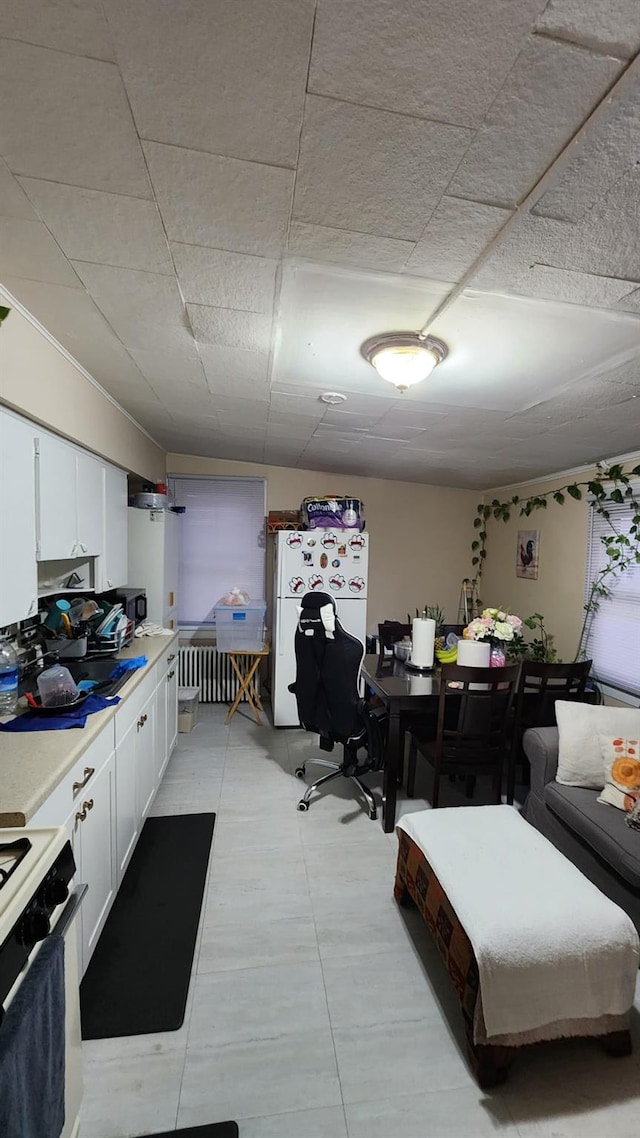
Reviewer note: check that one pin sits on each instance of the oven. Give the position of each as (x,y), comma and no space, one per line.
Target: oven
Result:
(38,899)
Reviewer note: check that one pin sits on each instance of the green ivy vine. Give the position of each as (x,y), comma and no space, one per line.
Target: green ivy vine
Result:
(610,485)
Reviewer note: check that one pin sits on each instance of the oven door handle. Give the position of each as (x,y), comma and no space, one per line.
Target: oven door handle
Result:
(70,910)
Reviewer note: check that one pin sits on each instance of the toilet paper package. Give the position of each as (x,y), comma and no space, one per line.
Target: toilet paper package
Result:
(333,513)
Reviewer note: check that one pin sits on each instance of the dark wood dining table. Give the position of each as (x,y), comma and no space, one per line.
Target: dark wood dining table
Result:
(402,691)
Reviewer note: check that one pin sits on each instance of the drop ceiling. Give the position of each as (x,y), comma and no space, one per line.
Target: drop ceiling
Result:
(212,205)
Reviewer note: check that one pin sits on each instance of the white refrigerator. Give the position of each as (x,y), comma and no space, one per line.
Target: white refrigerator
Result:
(314,561)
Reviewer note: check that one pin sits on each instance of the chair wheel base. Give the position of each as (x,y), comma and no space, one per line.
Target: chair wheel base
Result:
(302,805)
(300,772)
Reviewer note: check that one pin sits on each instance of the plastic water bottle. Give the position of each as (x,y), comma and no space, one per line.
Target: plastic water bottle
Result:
(8,679)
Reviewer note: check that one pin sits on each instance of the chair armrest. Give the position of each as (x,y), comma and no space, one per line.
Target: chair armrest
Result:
(540,745)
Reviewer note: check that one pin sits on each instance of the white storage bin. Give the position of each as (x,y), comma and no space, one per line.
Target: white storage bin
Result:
(240,627)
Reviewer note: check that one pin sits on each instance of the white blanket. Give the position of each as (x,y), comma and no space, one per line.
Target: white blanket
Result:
(549,945)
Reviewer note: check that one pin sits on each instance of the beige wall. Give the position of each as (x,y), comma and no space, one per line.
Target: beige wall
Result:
(558,592)
(419,534)
(40,382)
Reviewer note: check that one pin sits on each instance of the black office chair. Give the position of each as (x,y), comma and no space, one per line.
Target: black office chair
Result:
(328,663)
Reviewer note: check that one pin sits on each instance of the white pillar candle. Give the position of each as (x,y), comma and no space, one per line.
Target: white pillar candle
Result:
(422,642)
(474,653)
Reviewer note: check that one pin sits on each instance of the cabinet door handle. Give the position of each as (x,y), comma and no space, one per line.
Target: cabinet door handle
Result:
(171,657)
(170,675)
(88,771)
(88,805)
(144,718)
(81,815)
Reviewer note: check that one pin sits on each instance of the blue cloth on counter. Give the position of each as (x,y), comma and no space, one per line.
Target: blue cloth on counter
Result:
(128,666)
(35,721)
(32,1041)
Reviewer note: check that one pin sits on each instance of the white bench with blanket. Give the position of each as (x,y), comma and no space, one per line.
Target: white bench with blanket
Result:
(555,957)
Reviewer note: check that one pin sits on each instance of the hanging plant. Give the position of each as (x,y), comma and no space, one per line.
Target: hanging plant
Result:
(610,485)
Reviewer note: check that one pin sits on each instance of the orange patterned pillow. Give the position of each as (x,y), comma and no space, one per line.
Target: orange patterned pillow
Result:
(621,771)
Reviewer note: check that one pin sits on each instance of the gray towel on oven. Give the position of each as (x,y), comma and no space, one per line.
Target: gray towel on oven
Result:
(32,1045)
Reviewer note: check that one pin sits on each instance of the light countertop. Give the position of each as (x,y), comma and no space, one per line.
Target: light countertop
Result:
(32,764)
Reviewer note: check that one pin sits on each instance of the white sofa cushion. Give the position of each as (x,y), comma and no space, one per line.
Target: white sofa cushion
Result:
(580,758)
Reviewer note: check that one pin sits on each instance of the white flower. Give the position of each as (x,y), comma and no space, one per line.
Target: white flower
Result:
(503,630)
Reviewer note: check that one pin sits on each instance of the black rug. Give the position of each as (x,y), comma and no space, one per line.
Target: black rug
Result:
(138,978)
(213,1130)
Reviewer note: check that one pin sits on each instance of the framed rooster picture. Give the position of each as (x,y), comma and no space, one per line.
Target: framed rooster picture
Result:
(528,554)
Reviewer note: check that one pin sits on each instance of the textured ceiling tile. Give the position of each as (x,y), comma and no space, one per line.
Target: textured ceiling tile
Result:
(372,171)
(110,229)
(167,367)
(631,302)
(79,28)
(225,78)
(27,249)
(607,239)
(575,288)
(13,200)
(351,420)
(221,202)
(232,369)
(297,406)
(547,96)
(230,327)
(605,25)
(69,122)
(225,280)
(144,309)
(457,233)
(438,61)
(343,247)
(607,151)
(72,317)
(531,240)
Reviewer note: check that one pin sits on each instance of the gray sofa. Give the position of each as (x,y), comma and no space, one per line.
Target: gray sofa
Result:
(595,837)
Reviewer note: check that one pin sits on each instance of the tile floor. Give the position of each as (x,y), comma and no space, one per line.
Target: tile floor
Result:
(317,1008)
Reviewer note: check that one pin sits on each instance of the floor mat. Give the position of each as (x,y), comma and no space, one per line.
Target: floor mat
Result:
(138,978)
(213,1130)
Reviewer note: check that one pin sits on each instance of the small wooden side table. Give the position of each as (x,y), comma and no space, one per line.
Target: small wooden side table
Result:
(245,665)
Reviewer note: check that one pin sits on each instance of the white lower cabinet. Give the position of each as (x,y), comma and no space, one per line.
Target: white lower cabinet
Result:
(105,797)
(93,829)
(146,766)
(127,828)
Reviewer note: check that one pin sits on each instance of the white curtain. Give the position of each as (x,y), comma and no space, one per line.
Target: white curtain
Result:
(614,634)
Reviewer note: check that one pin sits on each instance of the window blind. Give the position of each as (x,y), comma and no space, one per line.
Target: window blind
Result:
(222,543)
(614,633)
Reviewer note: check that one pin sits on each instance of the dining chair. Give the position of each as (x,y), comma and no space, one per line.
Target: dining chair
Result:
(389,633)
(539,686)
(472,733)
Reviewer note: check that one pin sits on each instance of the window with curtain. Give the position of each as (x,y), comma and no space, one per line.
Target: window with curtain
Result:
(614,635)
(222,543)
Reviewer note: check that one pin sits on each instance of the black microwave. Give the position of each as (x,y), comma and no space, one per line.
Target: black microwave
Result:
(134,603)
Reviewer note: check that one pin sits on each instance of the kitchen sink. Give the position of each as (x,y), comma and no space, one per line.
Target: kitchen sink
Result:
(98,670)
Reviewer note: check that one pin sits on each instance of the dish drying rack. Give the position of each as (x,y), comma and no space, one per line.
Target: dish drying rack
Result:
(109,643)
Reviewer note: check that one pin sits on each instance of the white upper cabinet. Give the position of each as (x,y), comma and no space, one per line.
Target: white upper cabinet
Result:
(114,563)
(56,497)
(90,504)
(18,573)
(70,499)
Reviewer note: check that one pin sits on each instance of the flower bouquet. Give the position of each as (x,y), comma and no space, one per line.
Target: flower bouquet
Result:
(496,626)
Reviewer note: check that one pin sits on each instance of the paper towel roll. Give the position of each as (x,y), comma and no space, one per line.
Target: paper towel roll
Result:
(474,653)
(420,685)
(422,642)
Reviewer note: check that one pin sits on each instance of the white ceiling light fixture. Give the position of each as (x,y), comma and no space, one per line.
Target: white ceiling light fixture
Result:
(404,358)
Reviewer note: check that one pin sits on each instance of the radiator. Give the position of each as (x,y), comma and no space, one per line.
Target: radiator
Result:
(204,667)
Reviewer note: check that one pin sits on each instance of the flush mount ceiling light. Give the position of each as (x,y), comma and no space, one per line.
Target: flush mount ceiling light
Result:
(403,358)
(332,397)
